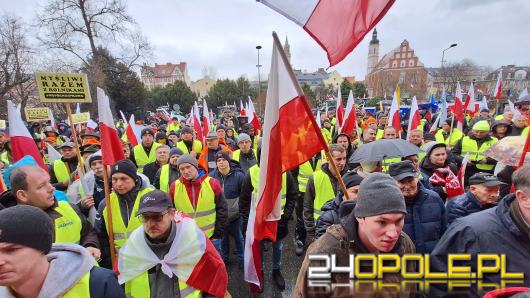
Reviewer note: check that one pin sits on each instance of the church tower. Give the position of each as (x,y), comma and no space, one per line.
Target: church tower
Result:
(373,53)
(287,49)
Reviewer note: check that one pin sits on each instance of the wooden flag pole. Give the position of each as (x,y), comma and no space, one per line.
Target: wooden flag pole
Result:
(450,131)
(80,166)
(109,225)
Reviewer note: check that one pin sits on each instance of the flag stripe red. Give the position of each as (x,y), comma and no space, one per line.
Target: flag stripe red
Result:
(111,150)
(22,146)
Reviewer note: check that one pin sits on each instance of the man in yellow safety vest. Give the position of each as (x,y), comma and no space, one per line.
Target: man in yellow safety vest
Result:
(168,172)
(31,266)
(61,169)
(144,152)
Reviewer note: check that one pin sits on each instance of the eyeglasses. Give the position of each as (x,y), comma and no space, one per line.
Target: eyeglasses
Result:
(155,217)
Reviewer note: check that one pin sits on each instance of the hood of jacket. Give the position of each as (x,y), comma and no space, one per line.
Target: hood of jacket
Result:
(504,213)
(68,264)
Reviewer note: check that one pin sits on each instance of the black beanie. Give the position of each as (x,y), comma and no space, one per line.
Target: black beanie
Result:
(351,179)
(28,226)
(126,167)
(93,158)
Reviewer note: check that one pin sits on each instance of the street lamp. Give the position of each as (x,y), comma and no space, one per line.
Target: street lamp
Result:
(443,55)
(258,47)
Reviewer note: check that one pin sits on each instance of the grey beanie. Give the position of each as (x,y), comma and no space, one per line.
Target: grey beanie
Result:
(243,137)
(174,151)
(28,226)
(187,158)
(379,194)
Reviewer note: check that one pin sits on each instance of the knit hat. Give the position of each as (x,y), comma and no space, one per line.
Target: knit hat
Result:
(351,179)
(429,147)
(93,158)
(220,126)
(28,226)
(126,167)
(482,125)
(186,129)
(187,158)
(160,135)
(243,137)
(146,131)
(223,154)
(379,194)
(174,151)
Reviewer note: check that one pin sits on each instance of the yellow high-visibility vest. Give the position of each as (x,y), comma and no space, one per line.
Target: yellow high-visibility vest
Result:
(139,287)
(68,226)
(197,147)
(254,179)
(81,289)
(61,170)
(164,178)
(204,214)
(141,156)
(323,192)
(476,154)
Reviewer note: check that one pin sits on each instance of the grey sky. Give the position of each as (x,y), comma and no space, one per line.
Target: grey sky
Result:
(223,34)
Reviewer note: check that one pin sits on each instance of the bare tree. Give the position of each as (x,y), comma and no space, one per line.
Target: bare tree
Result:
(80,26)
(14,58)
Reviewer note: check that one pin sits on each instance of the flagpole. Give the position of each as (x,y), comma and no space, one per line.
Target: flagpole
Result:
(451,131)
(110,231)
(74,136)
(314,122)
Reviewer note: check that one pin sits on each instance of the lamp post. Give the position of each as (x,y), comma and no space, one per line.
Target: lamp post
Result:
(443,55)
(258,47)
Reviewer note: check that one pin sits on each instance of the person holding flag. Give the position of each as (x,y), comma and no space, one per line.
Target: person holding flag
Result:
(144,153)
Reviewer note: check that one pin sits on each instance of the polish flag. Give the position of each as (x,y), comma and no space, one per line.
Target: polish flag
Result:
(242,111)
(252,116)
(458,107)
(123,117)
(195,121)
(394,118)
(22,143)
(91,125)
(52,119)
(337,26)
(111,149)
(133,132)
(524,93)
(205,118)
(498,88)
(291,136)
(350,121)
(319,119)
(462,173)
(339,110)
(470,101)
(484,103)
(414,118)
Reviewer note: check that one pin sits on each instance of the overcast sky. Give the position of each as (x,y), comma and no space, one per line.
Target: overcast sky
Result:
(223,34)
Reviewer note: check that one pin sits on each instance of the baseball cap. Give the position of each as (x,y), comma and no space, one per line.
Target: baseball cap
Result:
(154,201)
(485,179)
(401,170)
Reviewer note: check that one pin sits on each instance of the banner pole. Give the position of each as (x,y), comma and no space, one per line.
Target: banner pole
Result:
(80,166)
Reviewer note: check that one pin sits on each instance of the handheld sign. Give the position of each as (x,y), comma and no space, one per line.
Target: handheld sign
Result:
(37,114)
(63,87)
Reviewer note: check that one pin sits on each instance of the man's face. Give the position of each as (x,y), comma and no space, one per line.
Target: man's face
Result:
(446,127)
(408,186)
(173,138)
(372,125)
(519,122)
(416,138)
(343,141)
(340,159)
(126,150)
(17,263)
(122,183)
(382,121)
(244,146)
(486,195)
(39,192)
(162,155)
(508,116)
(187,136)
(438,156)
(501,128)
(157,225)
(327,124)
(147,140)
(390,133)
(485,114)
(173,159)
(415,160)
(188,171)
(230,123)
(251,131)
(222,164)
(68,152)
(352,192)
(381,233)
(97,168)
(212,143)
(479,134)
(369,135)
(221,133)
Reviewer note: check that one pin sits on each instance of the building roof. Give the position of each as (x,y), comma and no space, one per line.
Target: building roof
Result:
(510,72)
(163,70)
(385,61)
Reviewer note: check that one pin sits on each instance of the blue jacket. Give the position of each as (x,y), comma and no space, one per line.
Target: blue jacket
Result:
(463,205)
(425,221)
(232,182)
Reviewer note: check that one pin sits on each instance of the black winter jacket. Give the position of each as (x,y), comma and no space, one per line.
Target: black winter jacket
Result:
(332,212)
(463,205)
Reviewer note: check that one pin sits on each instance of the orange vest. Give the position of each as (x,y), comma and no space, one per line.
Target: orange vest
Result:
(203,158)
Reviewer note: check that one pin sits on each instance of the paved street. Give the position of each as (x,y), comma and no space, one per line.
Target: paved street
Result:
(290,265)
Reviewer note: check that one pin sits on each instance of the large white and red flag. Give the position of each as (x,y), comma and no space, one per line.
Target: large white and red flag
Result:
(337,26)
(242,110)
(205,119)
(22,143)
(350,119)
(470,106)
(523,93)
(414,117)
(394,118)
(339,109)
(52,119)
(498,87)
(291,137)
(458,108)
(196,122)
(133,131)
(111,150)
(252,116)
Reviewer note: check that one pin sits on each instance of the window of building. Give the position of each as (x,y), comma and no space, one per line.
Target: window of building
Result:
(402,77)
(411,63)
(402,64)
(410,54)
(394,64)
(414,78)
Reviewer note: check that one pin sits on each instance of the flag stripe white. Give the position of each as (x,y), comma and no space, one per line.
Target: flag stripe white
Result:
(104,113)
(295,10)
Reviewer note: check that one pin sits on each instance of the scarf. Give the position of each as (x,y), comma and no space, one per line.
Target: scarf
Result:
(444,177)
